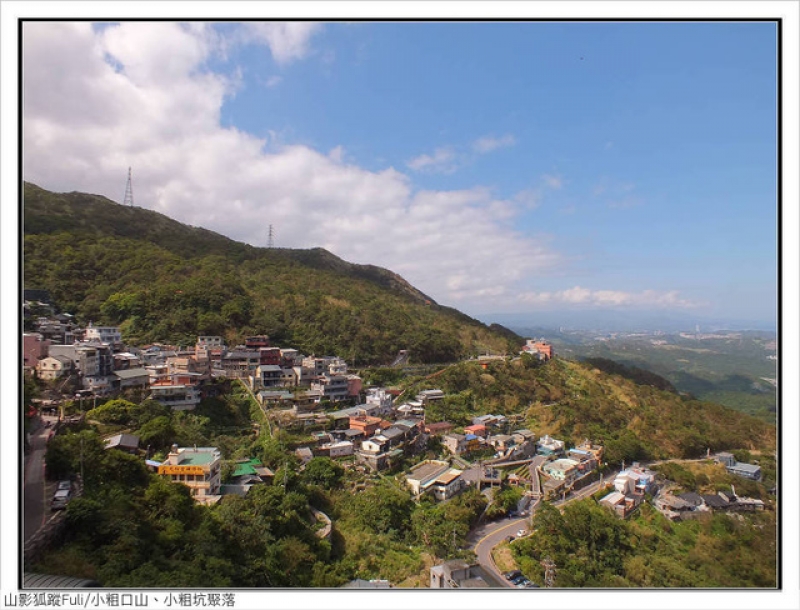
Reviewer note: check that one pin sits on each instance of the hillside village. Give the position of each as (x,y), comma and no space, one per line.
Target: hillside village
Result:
(376,431)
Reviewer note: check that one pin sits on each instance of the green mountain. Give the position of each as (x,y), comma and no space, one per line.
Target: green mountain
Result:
(161,280)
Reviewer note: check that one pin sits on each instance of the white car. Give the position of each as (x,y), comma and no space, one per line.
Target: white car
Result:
(60,500)
(522,533)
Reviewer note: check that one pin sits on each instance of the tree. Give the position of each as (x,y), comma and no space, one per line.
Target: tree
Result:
(324,472)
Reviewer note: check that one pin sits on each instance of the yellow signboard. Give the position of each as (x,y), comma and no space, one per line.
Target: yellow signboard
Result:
(180,470)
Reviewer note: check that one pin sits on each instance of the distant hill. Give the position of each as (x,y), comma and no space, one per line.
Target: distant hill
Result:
(161,280)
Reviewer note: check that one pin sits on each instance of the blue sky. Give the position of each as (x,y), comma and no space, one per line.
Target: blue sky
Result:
(499,167)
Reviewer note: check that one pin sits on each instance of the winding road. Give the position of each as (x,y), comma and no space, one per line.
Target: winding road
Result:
(483,539)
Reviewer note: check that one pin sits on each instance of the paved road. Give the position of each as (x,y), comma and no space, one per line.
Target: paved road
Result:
(486,537)
(36,508)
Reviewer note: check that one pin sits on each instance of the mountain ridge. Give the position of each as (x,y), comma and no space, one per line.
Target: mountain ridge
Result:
(160,279)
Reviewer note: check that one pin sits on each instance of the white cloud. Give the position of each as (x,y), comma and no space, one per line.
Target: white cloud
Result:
(287,40)
(489,143)
(443,160)
(273,81)
(449,159)
(119,105)
(578,296)
(553,182)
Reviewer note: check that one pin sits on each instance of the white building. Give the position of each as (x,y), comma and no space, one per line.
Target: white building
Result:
(103,334)
(179,397)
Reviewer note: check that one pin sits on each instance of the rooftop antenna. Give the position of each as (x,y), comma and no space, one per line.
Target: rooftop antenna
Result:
(271,238)
(128,191)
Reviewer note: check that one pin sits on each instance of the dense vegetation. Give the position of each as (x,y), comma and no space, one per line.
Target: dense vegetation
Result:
(163,281)
(591,547)
(574,401)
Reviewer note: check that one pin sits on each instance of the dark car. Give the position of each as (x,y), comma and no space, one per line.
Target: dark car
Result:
(517,581)
(512,574)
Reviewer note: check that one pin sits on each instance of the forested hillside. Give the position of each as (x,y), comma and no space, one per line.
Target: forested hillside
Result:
(160,280)
(634,420)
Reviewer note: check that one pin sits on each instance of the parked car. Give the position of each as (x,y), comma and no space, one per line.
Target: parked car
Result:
(518,580)
(523,584)
(61,499)
(522,533)
(62,485)
(512,574)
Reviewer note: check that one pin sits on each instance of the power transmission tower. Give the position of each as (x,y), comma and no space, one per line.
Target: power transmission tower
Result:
(271,238)
(128,191)
(549,572)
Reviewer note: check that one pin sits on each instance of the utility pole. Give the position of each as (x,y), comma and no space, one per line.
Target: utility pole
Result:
(549,572)
(82,483)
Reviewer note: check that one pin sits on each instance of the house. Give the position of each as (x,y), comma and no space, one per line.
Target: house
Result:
(538,348)
(448,484)
(360,583)
(438,428)
(366,424)
(304,454)
(490,421)
(742,469)
(124,361)
(377,460)
(640,480)
(103,334)
(335,449)
(553,487)
(269,356)
(34,349)
(179,397)
(595,450)
(501,442)
(376,444)
(427,396)
(586,459)
(196,467)
(619,503)
(246,473)
(381,400)
(274,397)
(332,387)
(54,367)
(455,443)
(549,446)
(457,574)
(132,378)
(564,469)
(128,443)
(269,376)
(411,409)
(473,442)
(240,364)
(437,477)
(523,436)
(476,429)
